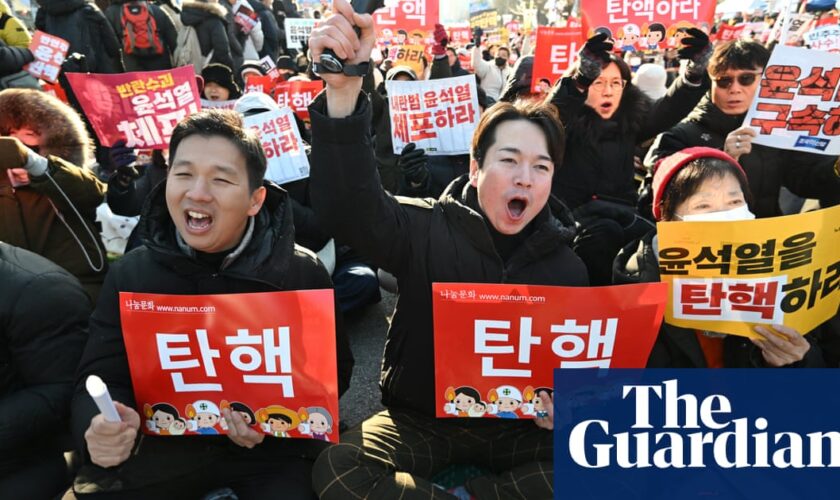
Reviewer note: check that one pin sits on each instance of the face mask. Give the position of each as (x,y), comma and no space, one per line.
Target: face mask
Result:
(736,214)
(501,61)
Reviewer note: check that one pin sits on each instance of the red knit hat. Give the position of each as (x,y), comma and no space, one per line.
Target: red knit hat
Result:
(668,167)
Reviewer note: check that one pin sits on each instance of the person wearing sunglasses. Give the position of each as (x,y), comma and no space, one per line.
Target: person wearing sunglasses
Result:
(735,70)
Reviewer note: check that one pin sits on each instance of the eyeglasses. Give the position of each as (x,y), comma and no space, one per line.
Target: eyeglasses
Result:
(744,80)
(600,85)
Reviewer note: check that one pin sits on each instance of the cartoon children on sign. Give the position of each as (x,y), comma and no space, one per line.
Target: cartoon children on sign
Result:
(535,405)
(317,423)
(461,400)
(241,408)
(278,420)
(653,35)
(203,416)
(505,400)
(164,419)
(628,36)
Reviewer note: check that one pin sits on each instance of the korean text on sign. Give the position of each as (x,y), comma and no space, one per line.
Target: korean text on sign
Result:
(298,31)
(283,146)
(409,55)
(245,16)
(272,353)
(412,16)
(297,95)
(726,277)
(496,345)
(141,107)
(50,52)
(439,115)
(797,106)
(555,52)
(825,38)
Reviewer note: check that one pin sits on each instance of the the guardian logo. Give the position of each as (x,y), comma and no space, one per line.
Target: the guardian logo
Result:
(692,431)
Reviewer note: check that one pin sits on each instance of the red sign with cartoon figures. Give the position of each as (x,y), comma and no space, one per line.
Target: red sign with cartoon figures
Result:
(406,22)
(142,107)
(555,52)
(297,95)
(50,52)
(497,345)
(646,24)
(270,356)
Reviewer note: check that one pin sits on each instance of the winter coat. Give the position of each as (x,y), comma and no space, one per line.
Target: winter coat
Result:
(84,26)
(678,347)
(442,171)
(12,30)
(598,162)
(173,12)
(492,77)
(420,241)
(36,217)
(165,31)
(457,70)
(211,26)
(43,319)
(767,168)
(270,29)
(270,261)
(12,59)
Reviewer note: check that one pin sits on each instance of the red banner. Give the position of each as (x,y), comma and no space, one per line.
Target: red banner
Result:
(141,107)
(646,24)
(50,52)
(270,356)
(407,22)
(297,95)
(556,49)
(496,346)
(726,32)
(459,36)
(264,84)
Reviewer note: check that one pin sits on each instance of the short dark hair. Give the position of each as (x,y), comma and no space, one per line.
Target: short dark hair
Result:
(686,182)
(657,27)
(165,408)
(468,391)
(243,408)
(281,416)
(542,115)
(738,54)
(228,124)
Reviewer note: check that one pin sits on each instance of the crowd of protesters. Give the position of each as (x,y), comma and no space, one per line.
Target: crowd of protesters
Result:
(561,187)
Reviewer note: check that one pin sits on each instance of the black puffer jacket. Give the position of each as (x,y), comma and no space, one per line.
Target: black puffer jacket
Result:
(420,241)
(768,169)
(270,262)
(12,59)
(271,30)
(678,347)
(210,24)
(165,32)
(43,318)
(84,26)
(599,153)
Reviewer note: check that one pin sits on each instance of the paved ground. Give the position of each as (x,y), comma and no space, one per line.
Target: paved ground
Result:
(367,339)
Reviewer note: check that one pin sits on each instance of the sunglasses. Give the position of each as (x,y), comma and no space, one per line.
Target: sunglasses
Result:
(744,80)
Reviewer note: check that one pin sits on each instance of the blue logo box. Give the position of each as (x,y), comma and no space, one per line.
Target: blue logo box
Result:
(686,434)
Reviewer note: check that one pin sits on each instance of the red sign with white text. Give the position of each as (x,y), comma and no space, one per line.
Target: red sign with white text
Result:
(50,52)
(405,22)
(556,49)
(497,345)
(269,356)
(142,107)
(297,95)
(264,84)
(726,32)
(459,36)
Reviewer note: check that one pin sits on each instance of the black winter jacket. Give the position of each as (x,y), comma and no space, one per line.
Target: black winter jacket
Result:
(271,30)
(598,162)
(84,26)
(165,31)
(420,241)
(678,347)
(43,319)
(210,24)
(270,262)
(767,169)
(12,59)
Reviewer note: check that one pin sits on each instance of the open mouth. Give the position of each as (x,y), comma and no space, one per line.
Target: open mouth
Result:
(197,221)
(606,107)
(516,208)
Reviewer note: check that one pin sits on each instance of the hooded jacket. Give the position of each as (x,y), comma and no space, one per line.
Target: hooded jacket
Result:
(678,347)
(210,25)
(420,241)
(269,261)
(165,31)
(38,217)
(768,169)
(84,26)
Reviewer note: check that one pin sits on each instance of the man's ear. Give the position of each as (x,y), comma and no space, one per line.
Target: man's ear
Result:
(257,200)
(473,172)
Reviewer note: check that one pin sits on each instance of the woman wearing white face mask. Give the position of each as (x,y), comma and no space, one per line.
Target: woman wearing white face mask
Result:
(705,184)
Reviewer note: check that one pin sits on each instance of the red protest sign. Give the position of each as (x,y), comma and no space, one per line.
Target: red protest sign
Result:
(142,107)
(263,84)
(555,52)
(270,356)
(50,52)
(459,36)
(405,22)
(56,90)
(646,24)
(245,16)
(496,345)
(297,95)
(726,32)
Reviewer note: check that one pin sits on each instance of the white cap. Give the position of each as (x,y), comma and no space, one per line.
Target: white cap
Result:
(509,391)
(253,101)
(650,78)
(204,406)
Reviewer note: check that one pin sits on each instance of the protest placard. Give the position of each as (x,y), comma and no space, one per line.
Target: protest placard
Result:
(297,95)
(142,107)
(646,24)
(796,106)
(298,31)
(263,84)
(260,354)
(50,52)
(826,38)
(798,26)
(244,16)
(283,146)
(208,104)
(459,36)
(486,20)
(729,276)
(439,115)
(409,55)
(403,22)
(726,33)
(55,90)
(556,49)
(497,345)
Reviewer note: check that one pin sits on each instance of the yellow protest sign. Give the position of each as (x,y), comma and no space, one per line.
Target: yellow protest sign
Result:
(409,55)
(730,276)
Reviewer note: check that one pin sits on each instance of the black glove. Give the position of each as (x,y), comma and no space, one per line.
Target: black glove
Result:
(698,50)
(477,34)
(594,56)
(122,160)
(414,164)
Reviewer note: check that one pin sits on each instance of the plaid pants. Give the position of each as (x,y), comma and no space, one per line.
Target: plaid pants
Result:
(393,454)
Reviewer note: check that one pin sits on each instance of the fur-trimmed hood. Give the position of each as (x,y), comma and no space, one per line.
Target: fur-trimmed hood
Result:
(63,133)
(195,12)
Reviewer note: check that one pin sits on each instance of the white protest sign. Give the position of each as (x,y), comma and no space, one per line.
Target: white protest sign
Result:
(297,31)
(208,104)
(826,38)
(796,103)
(245,16)
(280,139)
(438,115)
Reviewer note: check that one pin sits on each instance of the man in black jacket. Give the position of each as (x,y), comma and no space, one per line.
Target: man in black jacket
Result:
(43,318)
(490,226)
(213,227)
(163,42)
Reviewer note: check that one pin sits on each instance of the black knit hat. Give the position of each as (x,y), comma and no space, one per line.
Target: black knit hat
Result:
(222,75)
(286,62)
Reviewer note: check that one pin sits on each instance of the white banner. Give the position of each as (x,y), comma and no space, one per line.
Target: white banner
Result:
(826,38)
(280,139)
(297,31)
